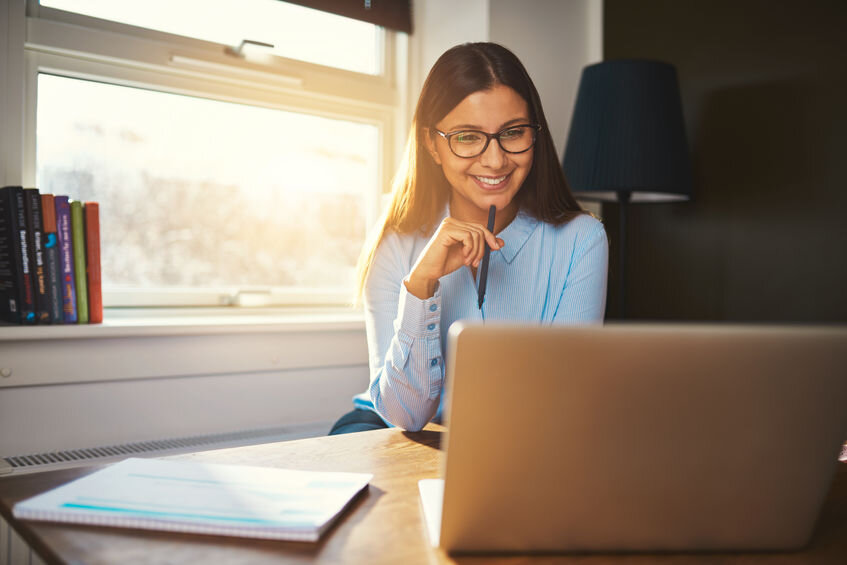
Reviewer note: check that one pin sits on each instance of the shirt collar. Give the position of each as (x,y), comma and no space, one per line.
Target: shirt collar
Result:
(515,235)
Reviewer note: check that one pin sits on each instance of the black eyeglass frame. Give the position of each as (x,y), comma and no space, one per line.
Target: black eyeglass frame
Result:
(488,137)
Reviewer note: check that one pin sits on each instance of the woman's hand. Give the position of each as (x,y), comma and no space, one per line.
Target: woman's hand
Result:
(454,245)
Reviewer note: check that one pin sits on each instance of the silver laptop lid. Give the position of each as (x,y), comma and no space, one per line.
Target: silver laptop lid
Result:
(661,437)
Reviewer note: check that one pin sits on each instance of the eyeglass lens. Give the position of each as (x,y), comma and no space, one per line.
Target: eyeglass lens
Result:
(472,143)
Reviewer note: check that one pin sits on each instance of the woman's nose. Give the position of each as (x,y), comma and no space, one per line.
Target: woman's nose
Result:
(493,157)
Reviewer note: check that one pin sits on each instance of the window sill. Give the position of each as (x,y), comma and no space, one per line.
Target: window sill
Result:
(130,322)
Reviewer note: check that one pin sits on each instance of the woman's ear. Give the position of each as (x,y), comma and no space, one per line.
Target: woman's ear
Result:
(430,145)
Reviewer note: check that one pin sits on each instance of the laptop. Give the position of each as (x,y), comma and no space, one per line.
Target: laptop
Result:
(637,437)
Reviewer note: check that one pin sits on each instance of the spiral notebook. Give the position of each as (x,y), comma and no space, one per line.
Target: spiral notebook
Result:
(204,498)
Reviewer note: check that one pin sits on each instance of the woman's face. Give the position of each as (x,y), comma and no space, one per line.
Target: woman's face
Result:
(494,177)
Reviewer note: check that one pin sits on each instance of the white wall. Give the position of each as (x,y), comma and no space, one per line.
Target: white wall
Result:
(438,26)
(64,387)
(12,30)
(39,419)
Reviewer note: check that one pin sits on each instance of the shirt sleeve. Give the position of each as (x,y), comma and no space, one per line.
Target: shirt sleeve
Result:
(404,342)
(583,297)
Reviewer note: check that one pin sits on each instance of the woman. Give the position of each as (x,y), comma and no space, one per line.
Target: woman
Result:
(478,139)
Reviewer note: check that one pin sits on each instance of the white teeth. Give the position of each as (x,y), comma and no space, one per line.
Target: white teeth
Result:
(487,180)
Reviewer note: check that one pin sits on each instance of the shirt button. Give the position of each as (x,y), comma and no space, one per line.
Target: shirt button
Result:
(431,327)
(433,308)
(434,362)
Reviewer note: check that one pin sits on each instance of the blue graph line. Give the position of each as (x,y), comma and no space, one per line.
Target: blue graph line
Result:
(153,513)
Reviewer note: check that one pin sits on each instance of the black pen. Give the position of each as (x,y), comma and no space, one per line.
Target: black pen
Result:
(483,269)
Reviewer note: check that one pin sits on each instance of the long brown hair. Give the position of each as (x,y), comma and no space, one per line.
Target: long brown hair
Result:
(420,190)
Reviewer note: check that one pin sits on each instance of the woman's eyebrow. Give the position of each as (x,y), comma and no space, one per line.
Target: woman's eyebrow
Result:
(460,127)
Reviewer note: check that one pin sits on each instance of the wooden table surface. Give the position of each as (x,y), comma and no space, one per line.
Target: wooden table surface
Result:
(383,526)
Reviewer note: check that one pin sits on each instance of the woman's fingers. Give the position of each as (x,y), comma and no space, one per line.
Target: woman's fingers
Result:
(456,233)
(481,236)
(486,237)
(478,245)
(469,245)
(472,240)
(493,240)
(461,243)
(454,244)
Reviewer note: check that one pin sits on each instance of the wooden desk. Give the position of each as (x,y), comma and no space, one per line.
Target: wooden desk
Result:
(383,526)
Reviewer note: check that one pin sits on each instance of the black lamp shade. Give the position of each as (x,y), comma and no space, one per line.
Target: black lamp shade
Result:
(627,134)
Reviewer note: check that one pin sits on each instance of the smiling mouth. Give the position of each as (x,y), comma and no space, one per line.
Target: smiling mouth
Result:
(491,181)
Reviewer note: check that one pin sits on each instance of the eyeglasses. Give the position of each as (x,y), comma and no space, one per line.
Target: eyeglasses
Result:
(473,143)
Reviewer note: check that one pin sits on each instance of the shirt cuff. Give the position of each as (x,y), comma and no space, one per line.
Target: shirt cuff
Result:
(419,318)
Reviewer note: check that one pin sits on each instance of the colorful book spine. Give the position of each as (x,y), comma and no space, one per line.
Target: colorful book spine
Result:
(78,239)
(13,259)
(28,314)
(92,262)
(35,234)
(66,256)
(52,262)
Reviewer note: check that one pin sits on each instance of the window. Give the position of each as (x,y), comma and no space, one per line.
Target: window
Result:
(292,31)
(202,193)
(222,179)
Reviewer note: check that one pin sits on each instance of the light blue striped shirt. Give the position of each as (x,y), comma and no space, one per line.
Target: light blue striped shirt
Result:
(544,273)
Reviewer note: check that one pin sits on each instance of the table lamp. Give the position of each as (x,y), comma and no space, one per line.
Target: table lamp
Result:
(627,141)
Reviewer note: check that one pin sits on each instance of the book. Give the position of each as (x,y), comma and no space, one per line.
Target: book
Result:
(52,262)
(35,233)
(92,262)
(16,295)
(78,242)
(66,257)
(204,498)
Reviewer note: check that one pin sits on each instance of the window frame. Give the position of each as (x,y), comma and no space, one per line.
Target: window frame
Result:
(78,46)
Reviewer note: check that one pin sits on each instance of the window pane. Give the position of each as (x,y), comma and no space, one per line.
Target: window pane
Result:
(201,193)
(295,31)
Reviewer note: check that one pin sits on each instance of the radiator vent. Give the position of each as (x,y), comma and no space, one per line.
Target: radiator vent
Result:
(101,454)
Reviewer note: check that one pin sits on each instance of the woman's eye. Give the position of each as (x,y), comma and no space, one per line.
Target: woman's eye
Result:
(512,133)
(467,137)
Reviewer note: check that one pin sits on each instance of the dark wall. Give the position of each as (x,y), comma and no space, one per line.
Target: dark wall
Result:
(764,90)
